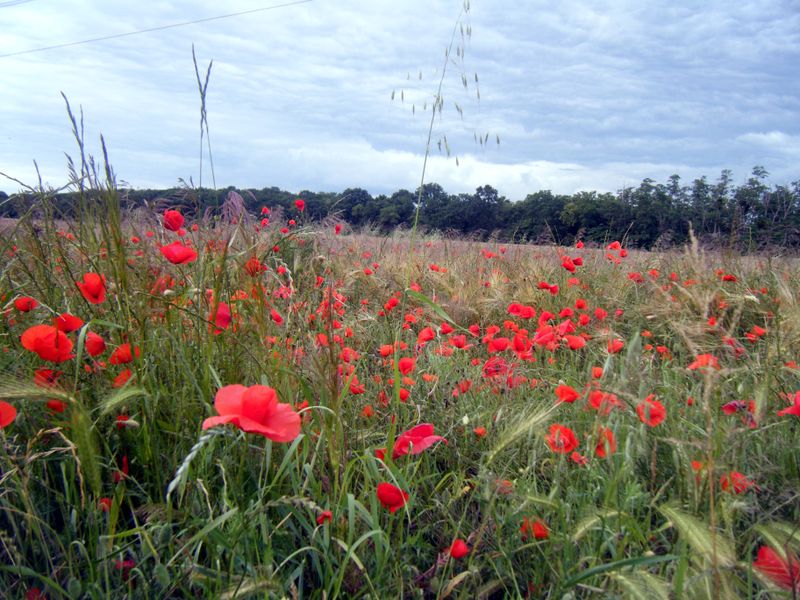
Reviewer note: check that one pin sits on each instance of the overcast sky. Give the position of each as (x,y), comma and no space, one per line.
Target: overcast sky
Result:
(584,95)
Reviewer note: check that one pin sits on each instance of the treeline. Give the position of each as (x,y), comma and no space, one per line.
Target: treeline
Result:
(751,216)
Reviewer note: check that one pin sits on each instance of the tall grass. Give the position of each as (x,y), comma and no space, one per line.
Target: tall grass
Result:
(227,514)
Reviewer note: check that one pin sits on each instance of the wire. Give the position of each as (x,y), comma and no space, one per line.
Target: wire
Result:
(13,3)
(160,28)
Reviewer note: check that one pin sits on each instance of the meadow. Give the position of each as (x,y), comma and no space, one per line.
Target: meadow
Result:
(261,406)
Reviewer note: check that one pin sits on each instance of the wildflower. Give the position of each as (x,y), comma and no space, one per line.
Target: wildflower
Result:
(606,445)
(504,487)
(124,567)
(122,378)
(25,304)
(425,335)
(48,342)
(7,413)
(104,504)
(458,549)
(651,412)
(253,266)
(535,528)
(95,345)
(415,440)
(575,342)
(615,346)
(561,439)
(255,410)
(300,204)
(178,254)
(123,354)
(462,387)
(173,220)
(325,516)
(794,409)
(479,431)
(704,360)
(783,572)
(406,365)
(93,288)
(391,497)
(56,406)
(566,393)
(67,323)
(579,459)
(735,482)
(221,317)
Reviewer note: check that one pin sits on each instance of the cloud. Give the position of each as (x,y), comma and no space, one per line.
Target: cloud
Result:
(582,95)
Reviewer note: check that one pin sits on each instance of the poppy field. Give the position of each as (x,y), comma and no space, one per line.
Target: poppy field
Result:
(245,405)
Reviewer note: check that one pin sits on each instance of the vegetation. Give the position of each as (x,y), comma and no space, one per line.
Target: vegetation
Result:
(447,419)
(752,216)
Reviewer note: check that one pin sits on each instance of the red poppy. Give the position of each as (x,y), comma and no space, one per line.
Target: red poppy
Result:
(173,220)
(57,406)
(391,497)
(325,516)
(122,378)
(606,445)
(425,335)
(178,254)
(415,440)
(651,412)
(575,342)
(300,204)
(704,360)
(255,409)
(25,303)
(458,549)
(479,431)
(561,439)
(48,342)
(406,365)
(46,377)
(123,354)
(566,393)
(535,528)
(253,266)
(615,346)
(794,409)
(783,572)
(93,288)
(95,345)
(735,482)
(7,414)
(67,323)
(222,317)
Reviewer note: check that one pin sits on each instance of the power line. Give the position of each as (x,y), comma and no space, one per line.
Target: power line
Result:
(160,28)
(13,3)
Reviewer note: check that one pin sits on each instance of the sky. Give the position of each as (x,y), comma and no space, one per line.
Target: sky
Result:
(323,95)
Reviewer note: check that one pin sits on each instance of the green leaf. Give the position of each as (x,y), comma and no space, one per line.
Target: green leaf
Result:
(435,308)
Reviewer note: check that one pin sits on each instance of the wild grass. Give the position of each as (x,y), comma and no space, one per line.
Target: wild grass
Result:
(226,514)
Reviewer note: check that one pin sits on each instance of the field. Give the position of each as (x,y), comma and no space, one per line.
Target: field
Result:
(257,406)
